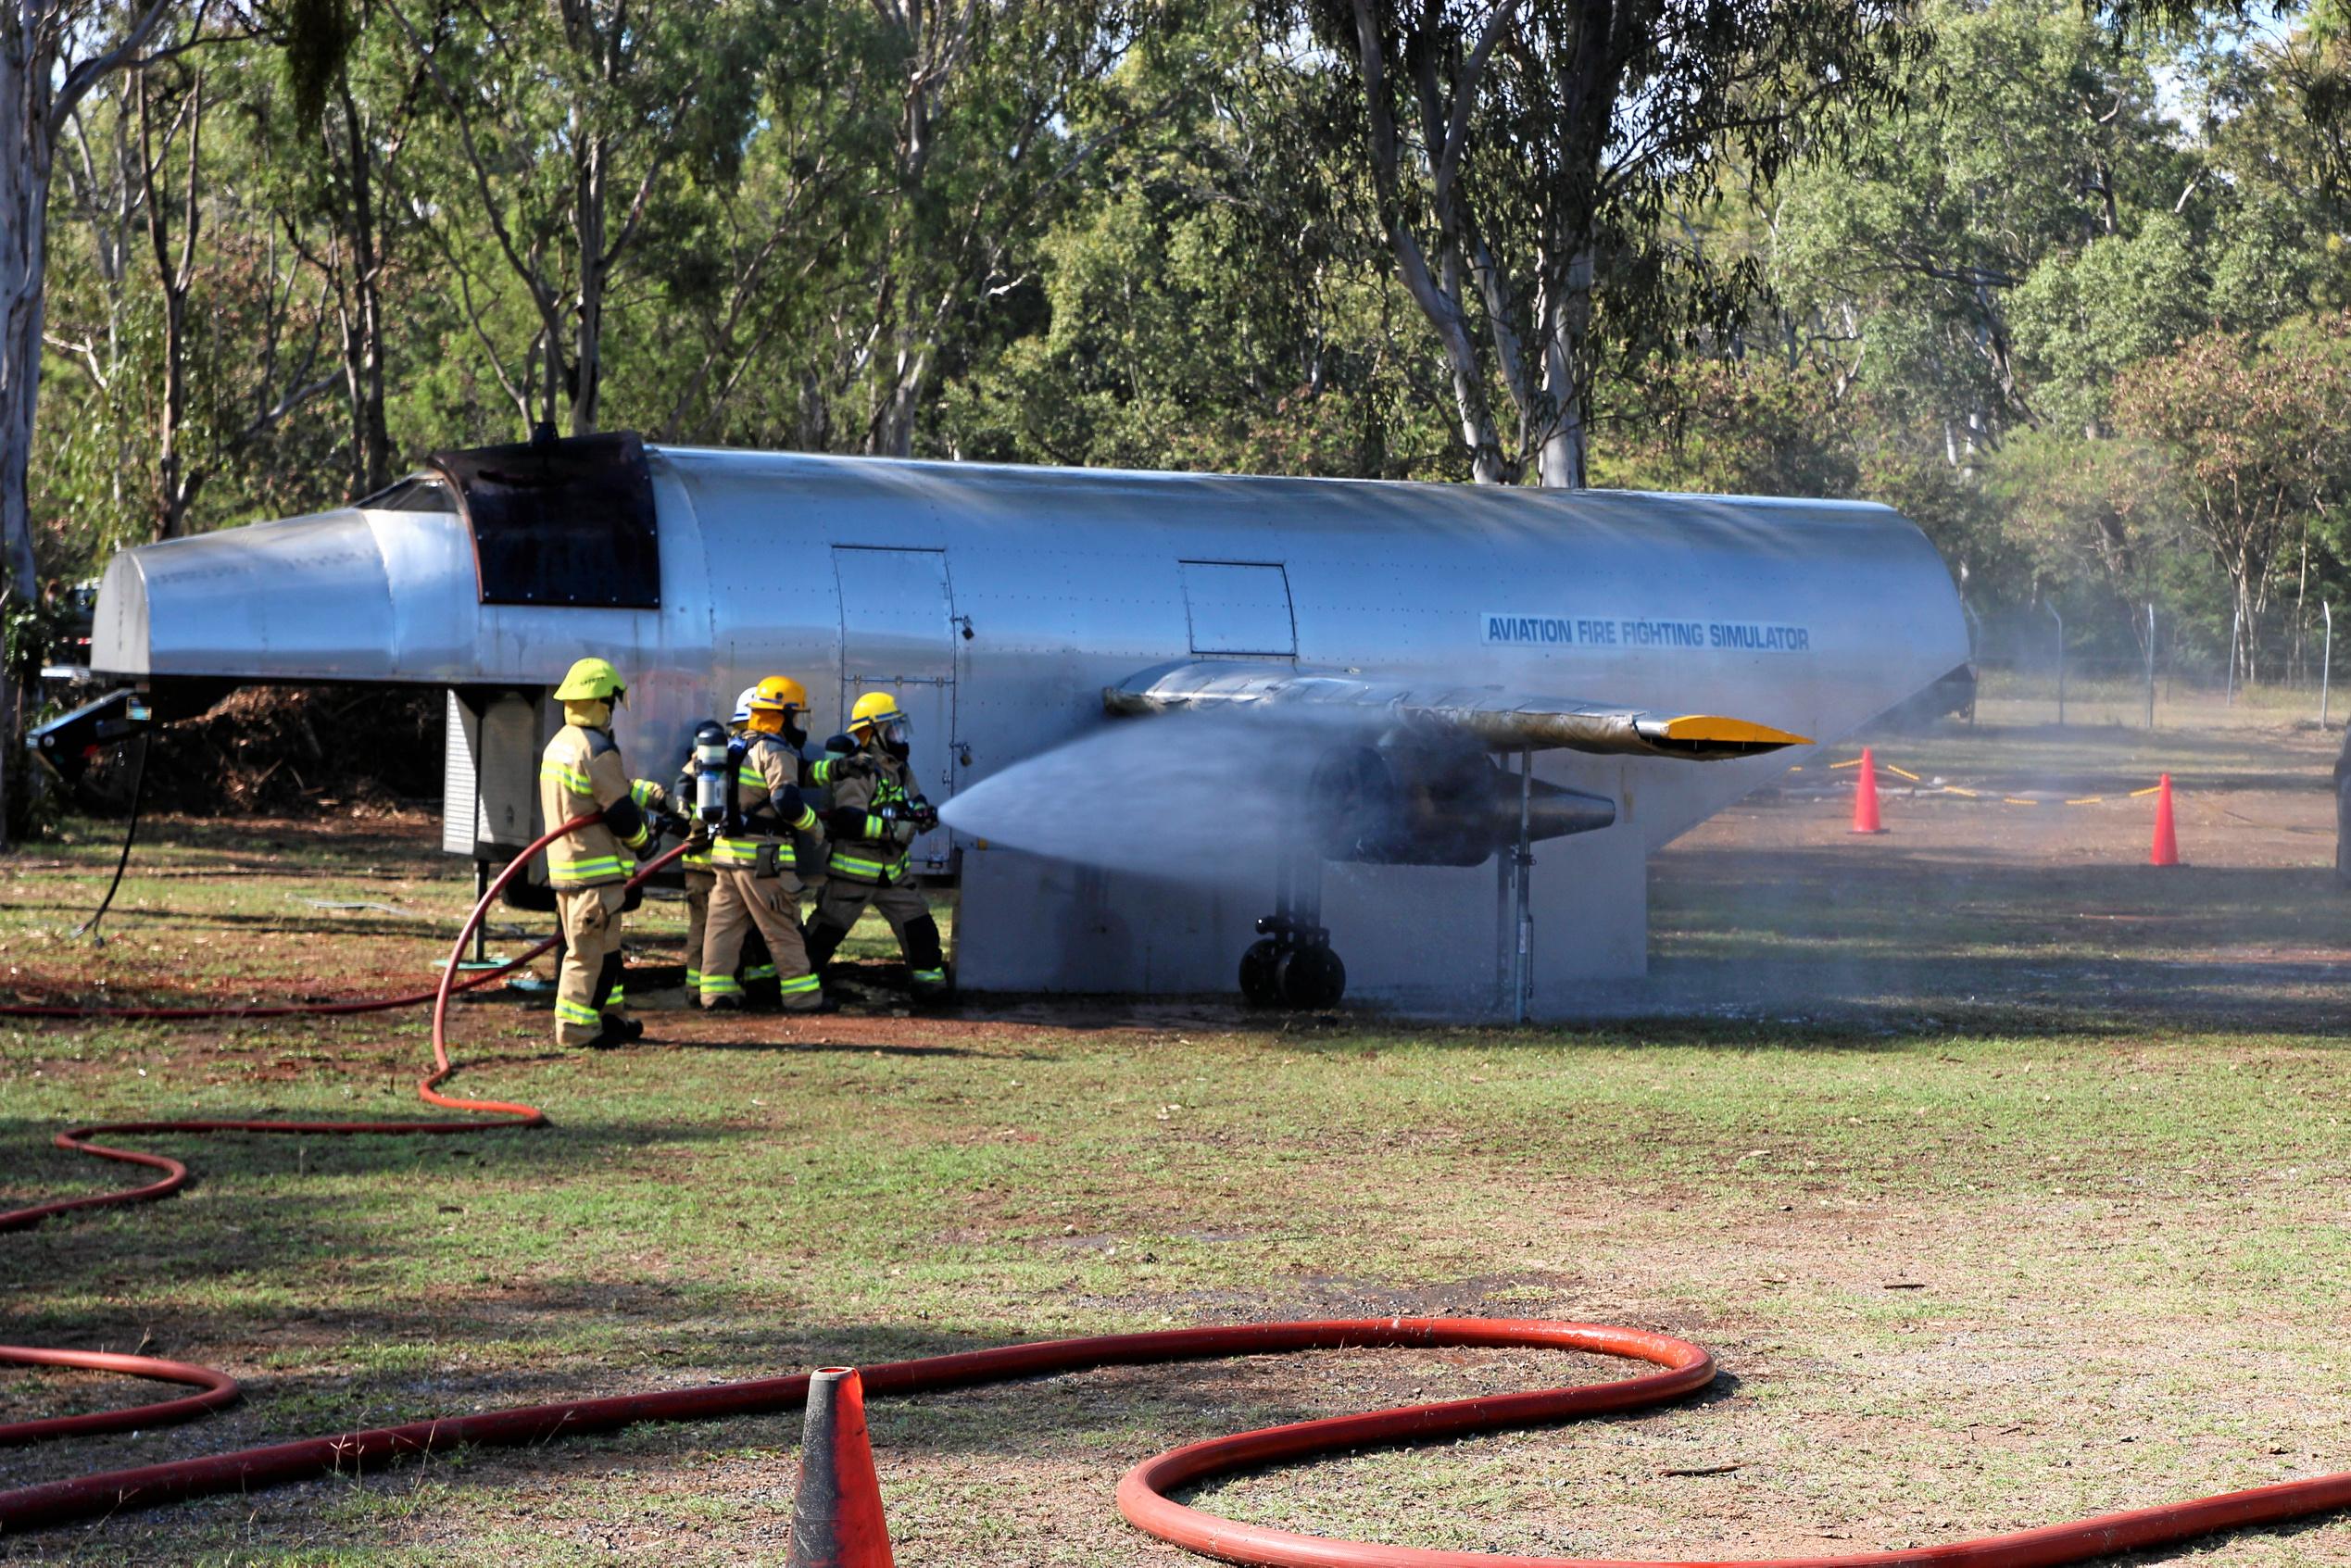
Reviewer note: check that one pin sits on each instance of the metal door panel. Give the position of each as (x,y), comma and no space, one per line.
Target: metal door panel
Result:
(1240,607)
(897,635)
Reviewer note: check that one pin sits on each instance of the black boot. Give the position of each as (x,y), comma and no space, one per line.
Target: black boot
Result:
(926,965)
(823,939)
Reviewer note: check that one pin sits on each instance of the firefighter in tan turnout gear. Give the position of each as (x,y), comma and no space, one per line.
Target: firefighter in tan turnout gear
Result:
(875,816)
(758,974)
(580,775)
(754,857)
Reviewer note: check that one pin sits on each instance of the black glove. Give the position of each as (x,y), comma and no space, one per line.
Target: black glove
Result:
(924,815)
(675,825)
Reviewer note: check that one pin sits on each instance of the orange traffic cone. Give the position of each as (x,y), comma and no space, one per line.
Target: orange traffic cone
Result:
(1865,795)
(836,1518)
(2166,839)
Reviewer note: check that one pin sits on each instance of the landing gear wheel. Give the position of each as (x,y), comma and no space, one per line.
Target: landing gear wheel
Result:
(1312,977)
(1259,976)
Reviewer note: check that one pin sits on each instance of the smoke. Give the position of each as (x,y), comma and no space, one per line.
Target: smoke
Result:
(1185,796)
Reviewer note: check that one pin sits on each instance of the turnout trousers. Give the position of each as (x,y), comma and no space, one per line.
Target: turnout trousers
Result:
(699,883)
(909,914)
(741,904)
(587,984)
(758,974)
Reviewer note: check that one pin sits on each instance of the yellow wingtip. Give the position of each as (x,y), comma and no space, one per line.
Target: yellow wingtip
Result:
(1716,730)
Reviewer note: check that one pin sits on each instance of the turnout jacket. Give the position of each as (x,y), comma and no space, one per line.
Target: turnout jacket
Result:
(767,809)
(581,774)
(866,847)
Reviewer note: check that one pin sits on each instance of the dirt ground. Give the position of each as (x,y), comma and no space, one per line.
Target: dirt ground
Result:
(2005,1175)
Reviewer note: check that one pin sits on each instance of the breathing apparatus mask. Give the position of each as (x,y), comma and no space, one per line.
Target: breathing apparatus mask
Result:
(895,737)
(779,723)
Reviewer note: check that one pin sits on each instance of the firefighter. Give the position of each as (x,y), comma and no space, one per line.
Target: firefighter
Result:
(580,775)
(758,974)
(874,819)
(755,858)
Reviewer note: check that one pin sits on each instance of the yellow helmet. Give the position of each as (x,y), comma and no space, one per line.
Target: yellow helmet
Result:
(873,710)
(591,680)
(778,693)
(772,704)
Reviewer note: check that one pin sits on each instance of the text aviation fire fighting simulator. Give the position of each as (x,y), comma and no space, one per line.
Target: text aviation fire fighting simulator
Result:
(1374,665)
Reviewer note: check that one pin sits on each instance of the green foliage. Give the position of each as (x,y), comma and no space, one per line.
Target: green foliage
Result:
(1977,277)
(319,34)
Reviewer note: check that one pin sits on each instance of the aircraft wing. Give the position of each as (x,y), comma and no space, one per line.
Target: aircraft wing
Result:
(1505,721)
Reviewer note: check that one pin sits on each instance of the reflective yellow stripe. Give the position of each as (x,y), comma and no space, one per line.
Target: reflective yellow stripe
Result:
(573,1013)
(859,869)
(743,853)
(572,778)
(582,873)
(586,865)
(799,984)
(721,986)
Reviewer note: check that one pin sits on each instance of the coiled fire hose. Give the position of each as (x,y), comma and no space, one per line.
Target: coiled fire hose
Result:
(1143,1493)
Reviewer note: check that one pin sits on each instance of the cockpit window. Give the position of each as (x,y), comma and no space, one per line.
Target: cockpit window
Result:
(419,492)
(561,521)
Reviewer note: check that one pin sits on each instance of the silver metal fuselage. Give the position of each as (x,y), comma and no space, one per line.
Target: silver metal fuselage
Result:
(999,602)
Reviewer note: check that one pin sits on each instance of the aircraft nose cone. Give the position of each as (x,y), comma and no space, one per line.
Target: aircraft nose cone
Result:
(334,596)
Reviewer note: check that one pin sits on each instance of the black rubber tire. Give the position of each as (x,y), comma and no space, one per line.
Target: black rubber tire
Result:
(1260,981)
(1312,977)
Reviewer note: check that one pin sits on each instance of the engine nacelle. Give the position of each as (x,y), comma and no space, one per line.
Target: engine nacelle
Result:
(1418,798)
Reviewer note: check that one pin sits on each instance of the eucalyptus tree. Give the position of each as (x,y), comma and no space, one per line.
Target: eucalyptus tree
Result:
(2253,423)
(1527,160)
(997,121)
(565,131)
(2032,220)
(332,148)
(1212,302)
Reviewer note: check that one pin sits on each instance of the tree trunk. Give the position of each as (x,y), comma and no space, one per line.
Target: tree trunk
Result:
(363,320)
(587,355)
(26,159)
(1560,463)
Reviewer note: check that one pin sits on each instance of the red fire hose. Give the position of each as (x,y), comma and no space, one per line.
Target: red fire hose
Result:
(1143,1493)
(175,1174)
(219,1388)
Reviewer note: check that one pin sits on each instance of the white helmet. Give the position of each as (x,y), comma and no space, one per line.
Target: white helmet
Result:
(743,704)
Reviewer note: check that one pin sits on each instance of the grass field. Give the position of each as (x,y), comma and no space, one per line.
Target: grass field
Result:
(2009,1179)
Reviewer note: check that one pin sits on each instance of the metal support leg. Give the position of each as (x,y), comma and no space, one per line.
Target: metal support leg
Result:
(1522,971)
(481,927)
(1505,877)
